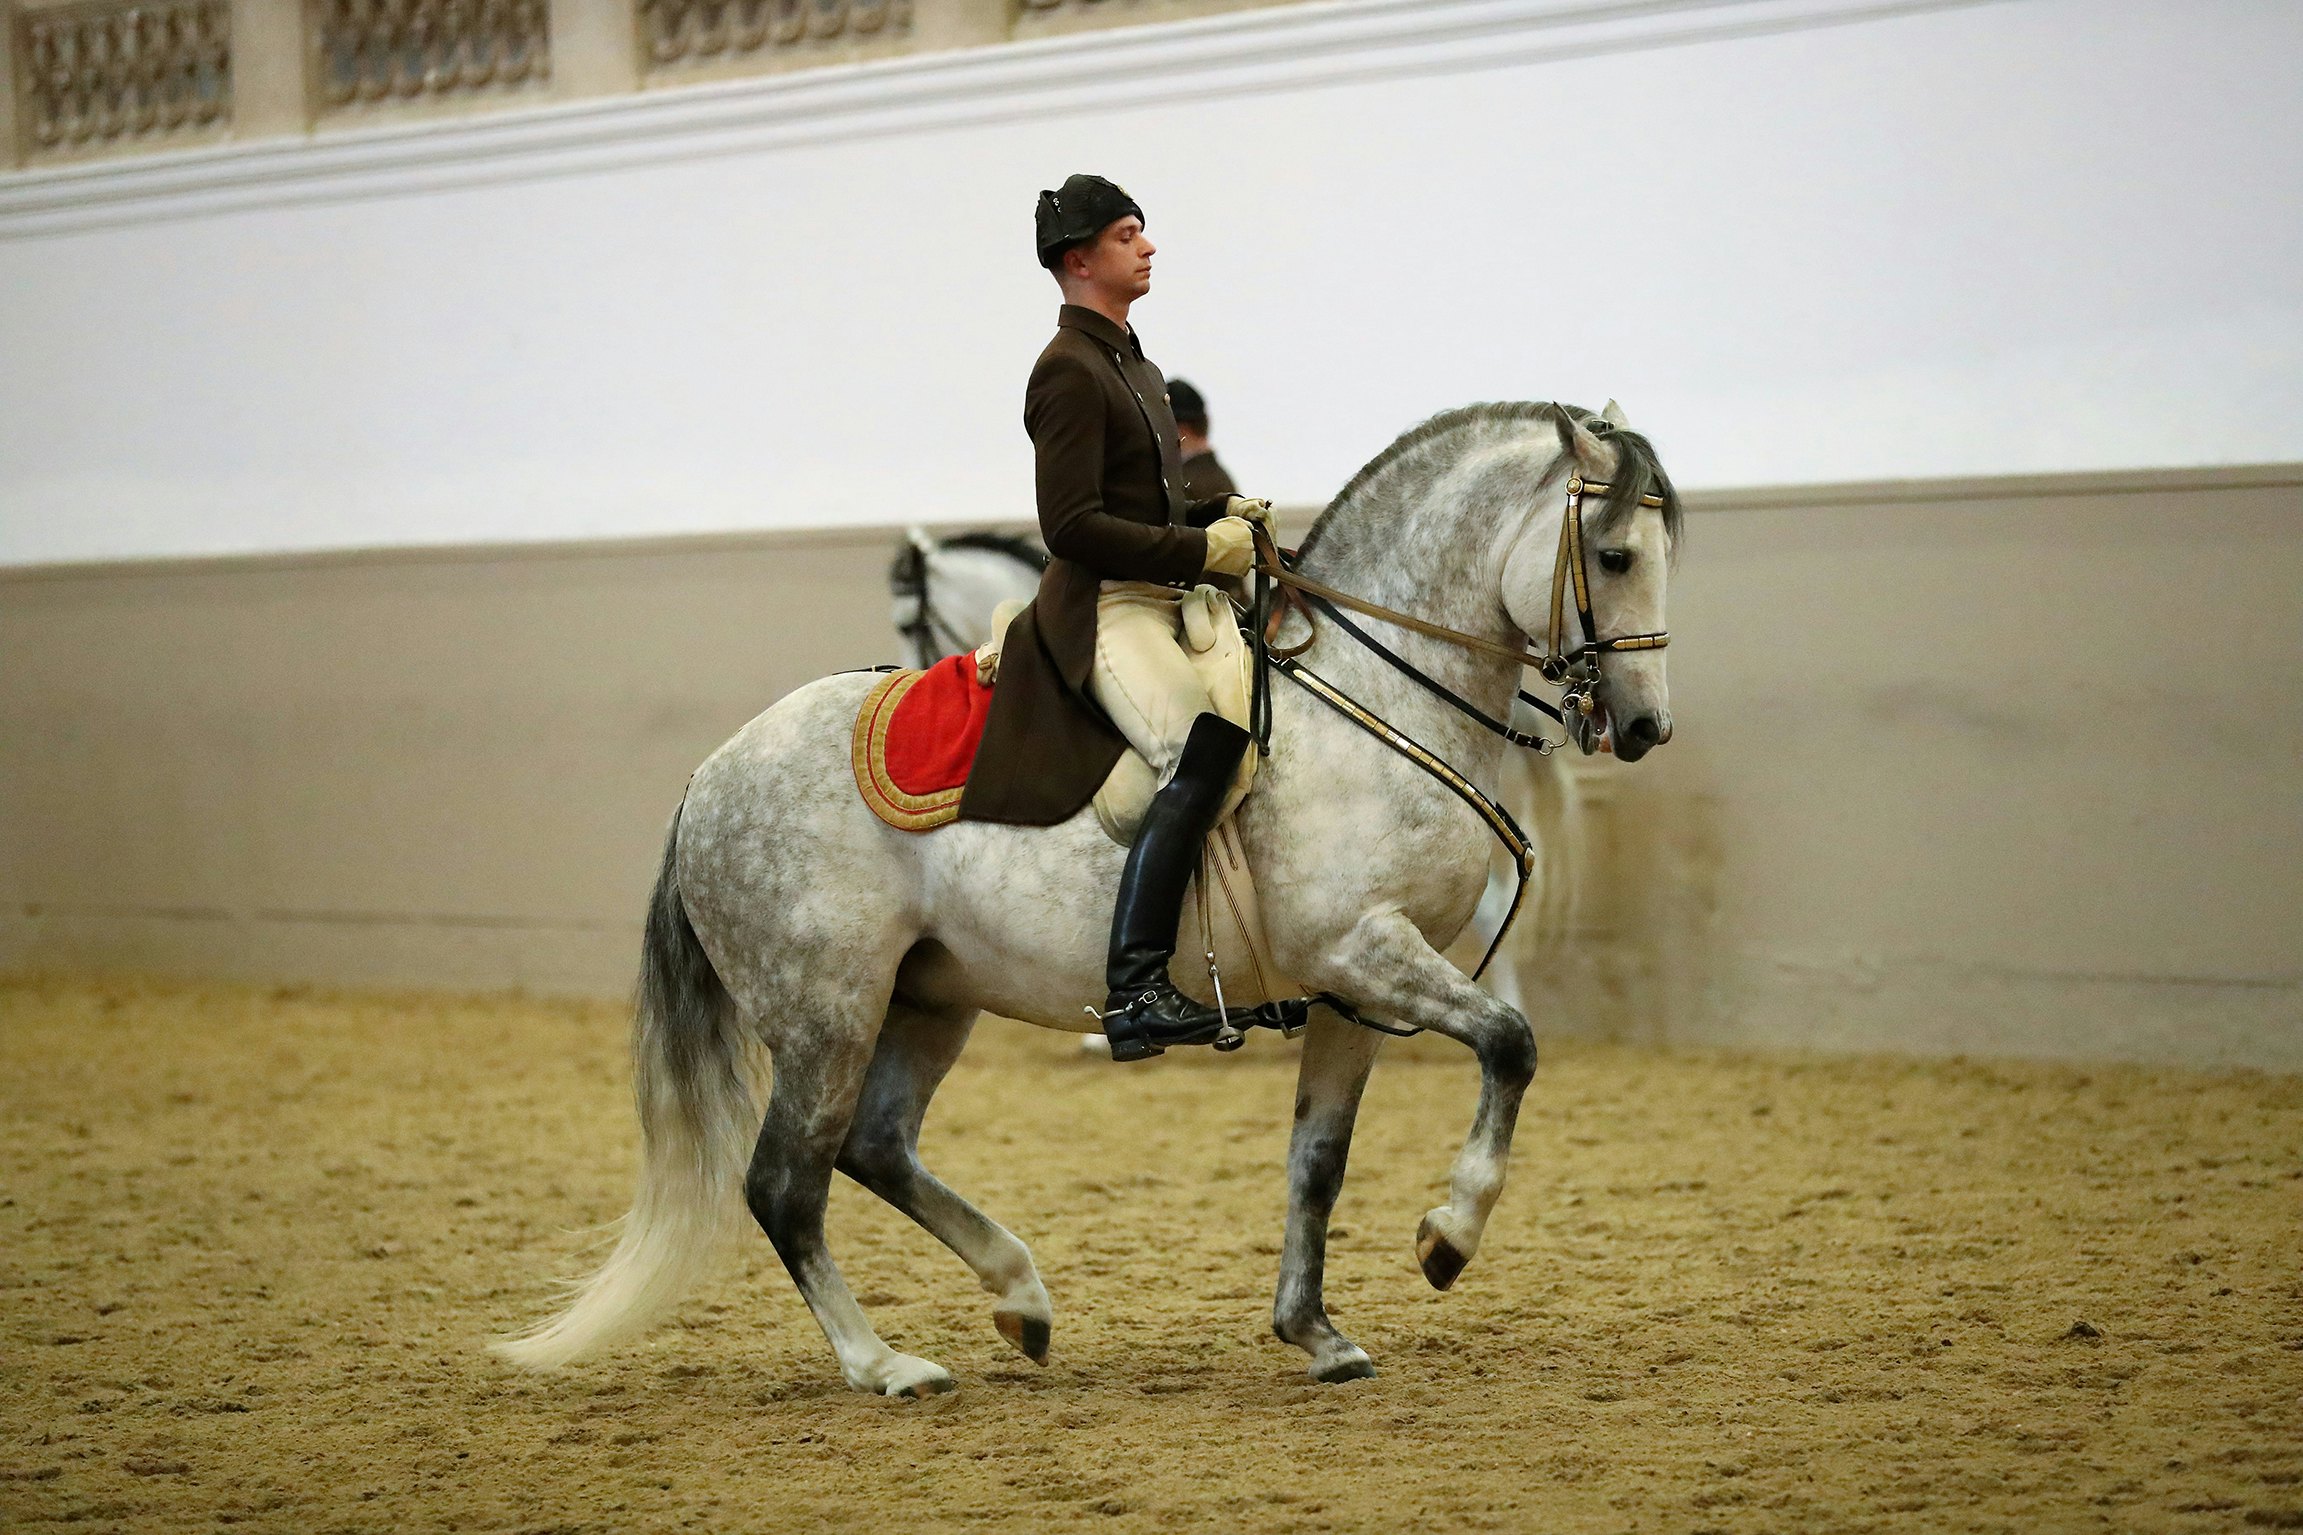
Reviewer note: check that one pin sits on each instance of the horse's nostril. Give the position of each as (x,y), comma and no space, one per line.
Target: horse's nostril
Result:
(1644,730)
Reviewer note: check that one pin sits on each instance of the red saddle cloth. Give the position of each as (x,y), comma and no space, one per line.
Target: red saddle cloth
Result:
(916,737)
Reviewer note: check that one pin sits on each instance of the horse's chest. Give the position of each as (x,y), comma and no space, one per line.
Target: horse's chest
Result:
(1378,840)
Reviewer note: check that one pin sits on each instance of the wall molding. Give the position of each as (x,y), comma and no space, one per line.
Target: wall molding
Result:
(1841,495)
(1998,487)
(1282,48)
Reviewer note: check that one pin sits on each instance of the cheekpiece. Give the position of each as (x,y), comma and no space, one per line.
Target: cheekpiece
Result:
(1078,210)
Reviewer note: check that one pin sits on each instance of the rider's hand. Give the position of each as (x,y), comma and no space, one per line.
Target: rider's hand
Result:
(1253,508)
(1230,546)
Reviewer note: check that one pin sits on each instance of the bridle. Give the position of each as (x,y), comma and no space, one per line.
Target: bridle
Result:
(1574,671)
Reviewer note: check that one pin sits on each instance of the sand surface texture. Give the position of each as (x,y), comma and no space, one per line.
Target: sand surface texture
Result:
(251,1244)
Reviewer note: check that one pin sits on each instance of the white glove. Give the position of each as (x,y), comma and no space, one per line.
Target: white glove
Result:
(1230,547)
(1253,508)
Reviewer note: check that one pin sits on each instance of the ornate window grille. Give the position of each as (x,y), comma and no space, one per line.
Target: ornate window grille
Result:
(378,52)
(691,32)
(98,76)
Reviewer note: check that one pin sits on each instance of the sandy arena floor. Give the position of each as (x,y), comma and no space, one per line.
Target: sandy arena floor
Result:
(251,1243)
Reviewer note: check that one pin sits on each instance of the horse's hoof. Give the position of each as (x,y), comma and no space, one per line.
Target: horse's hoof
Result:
(1028,1333)
(916,1378)
(1441,1262)
(1351,1365)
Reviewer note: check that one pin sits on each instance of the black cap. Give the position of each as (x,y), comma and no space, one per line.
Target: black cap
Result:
(1078,211)
(1186,405)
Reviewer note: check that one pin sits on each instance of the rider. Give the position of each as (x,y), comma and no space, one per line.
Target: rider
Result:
(1127,547)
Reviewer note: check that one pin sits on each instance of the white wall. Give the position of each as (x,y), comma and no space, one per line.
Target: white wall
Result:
(2026,236)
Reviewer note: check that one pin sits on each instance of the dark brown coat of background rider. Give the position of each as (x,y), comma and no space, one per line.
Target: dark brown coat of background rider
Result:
(1204,476)
(1112,508)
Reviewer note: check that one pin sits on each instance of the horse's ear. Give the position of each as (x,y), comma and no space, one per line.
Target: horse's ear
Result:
(1613,415)
(1577,442)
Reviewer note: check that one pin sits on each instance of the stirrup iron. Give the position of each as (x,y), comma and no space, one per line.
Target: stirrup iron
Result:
(1228,1038)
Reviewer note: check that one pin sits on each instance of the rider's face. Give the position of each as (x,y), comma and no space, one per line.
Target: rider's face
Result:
(1117,262)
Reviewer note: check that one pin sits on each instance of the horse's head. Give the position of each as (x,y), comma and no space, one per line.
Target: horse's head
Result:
(1627,544)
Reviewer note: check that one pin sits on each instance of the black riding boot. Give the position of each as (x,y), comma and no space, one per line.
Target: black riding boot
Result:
(1145,1013)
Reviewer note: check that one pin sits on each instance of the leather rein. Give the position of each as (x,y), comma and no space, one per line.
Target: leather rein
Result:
(1575,671)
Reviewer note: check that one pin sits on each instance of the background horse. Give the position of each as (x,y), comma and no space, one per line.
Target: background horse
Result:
(942,591)
(787,916)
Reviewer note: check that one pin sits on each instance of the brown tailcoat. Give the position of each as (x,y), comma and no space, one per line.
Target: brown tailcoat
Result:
(1112,508)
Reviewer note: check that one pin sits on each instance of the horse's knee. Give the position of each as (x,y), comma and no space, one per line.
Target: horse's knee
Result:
(1316,1165)
(1509,1053)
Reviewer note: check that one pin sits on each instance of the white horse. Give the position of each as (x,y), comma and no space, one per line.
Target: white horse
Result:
(788,916)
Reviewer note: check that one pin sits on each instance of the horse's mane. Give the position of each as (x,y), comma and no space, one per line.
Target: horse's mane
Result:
(1015,546)
(1639,473)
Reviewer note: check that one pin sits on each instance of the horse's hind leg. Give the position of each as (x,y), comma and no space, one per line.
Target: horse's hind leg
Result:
(916,1049)
(818,1077)
(1336,1059)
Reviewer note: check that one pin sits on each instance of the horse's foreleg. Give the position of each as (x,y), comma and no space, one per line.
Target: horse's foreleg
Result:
(1336,1059)
(915,1050)
(1385,968)
(818,1077)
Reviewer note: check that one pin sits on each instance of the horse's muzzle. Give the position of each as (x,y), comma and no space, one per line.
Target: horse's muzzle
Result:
(1635,738)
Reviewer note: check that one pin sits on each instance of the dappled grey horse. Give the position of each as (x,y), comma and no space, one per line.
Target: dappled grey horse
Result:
(788,917)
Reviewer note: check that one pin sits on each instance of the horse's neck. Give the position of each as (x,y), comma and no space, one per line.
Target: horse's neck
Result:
(965,585)
(1441,559)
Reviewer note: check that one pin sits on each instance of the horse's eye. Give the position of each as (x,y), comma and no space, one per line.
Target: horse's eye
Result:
(1615,561)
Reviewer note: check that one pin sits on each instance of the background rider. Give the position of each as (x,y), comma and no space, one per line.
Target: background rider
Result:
(1204,477)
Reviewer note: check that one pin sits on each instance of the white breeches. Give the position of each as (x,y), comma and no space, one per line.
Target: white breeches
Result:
(1141,676)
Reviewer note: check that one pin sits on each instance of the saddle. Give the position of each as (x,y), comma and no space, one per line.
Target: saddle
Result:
(916,736)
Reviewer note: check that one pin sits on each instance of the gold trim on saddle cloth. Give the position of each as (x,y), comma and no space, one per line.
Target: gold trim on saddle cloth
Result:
(868,755)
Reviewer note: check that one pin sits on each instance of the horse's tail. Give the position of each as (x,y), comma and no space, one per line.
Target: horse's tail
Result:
(697,1121)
